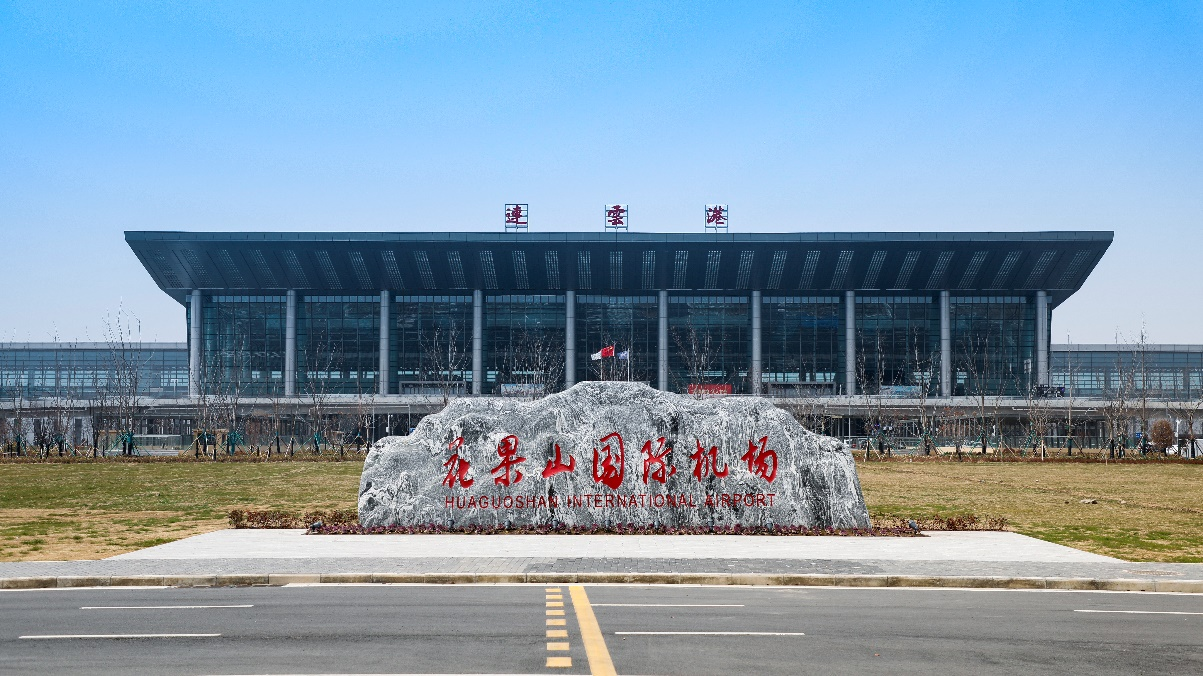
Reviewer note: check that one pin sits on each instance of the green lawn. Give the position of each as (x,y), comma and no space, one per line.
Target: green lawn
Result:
(1144,512)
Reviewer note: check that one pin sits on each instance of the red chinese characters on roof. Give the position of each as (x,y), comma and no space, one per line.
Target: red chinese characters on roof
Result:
(616,215)
(716,215)
(516,215)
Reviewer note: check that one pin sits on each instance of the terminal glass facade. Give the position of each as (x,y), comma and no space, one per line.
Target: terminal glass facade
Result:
(338,344)
(431,344)
(897,343)
(993,344)
(709,341)
(523,343)
(243,344)
(802,344)
(628,323)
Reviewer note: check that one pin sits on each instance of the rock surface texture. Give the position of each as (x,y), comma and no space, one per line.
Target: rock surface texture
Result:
(604,453)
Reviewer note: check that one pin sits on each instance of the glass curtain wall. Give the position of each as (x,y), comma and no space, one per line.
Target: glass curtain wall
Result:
(1168,372)
(338,344)
(243,351)
(523,344)
(897,344)
(993,345)
(69,371)
(431,344)
(709,343)
(801,346)
(630,324)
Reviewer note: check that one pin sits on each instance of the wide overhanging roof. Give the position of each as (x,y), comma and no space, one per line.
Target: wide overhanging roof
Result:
(812,263)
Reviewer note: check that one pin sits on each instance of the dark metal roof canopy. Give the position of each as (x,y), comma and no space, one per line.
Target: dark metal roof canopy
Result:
(808,263)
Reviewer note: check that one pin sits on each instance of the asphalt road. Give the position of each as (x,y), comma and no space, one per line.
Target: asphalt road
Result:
(404,629)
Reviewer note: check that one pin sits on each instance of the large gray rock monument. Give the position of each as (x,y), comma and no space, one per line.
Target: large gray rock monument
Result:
(605,453)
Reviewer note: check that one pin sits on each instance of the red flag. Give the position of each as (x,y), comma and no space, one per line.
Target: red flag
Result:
(607,351)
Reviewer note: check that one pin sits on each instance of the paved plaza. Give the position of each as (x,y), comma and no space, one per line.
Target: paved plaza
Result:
(938,559)
(980,546)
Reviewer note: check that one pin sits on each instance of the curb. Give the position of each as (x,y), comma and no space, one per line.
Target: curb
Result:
(719,579)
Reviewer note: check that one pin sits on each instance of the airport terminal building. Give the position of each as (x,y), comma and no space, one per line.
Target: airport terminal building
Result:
(798,314)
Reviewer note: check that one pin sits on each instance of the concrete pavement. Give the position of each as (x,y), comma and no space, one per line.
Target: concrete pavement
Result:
(635,629)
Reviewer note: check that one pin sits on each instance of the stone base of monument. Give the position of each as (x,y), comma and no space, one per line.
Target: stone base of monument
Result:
(616,456)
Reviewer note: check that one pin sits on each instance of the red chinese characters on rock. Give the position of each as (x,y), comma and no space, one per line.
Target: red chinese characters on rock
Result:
(609,469)
(507,449)
(655,462)
(762,460)
(609,462)
(457,472)
(705,463)
(556,465)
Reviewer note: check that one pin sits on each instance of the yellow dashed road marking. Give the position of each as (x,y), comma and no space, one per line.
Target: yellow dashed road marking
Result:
(595,646)
(555,607)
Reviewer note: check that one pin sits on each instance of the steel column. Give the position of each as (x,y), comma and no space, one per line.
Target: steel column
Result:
(1042,334)
(945,345)
(569,339)
(290,345)
(478,340)
(849,342)
(757,386)
(385,300)
(194,345)
(662,343)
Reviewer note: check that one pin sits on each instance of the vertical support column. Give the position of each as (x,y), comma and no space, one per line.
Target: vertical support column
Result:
(662,344)
(385,300)
(290,345)
(569,339)
(945,345)
(849,342)
(756,353)
(194,346)
(478,341)
(1042,331)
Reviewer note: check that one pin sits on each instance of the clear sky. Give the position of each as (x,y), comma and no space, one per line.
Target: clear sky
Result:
(409,116)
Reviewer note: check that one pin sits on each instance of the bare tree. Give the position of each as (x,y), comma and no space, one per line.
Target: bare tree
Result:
(123,335)
(446,358)
(695,348)
(1116,407)
(975,351)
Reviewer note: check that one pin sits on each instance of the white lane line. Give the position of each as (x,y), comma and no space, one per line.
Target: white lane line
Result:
(246,605)
(1139,612)
(668,605)
(39,637)
(709,633)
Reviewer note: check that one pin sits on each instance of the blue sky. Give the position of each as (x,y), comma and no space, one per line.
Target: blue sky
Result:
(409,116)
